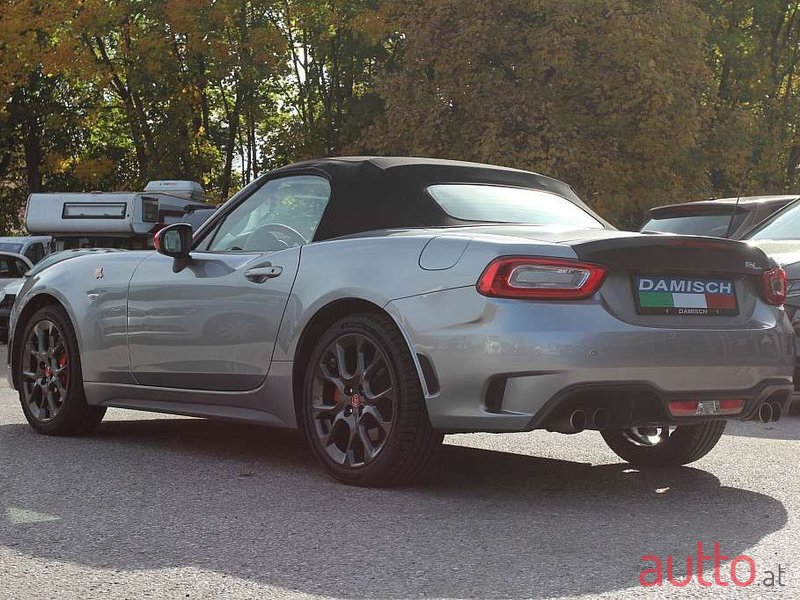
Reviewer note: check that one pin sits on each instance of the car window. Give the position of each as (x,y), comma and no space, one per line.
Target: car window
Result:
(11,267)
(501,204)
(785,225)
(713,225)
(7,247)
(35,253)
(282,213)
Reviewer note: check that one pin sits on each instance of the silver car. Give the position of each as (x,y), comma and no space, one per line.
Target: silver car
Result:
(379,303)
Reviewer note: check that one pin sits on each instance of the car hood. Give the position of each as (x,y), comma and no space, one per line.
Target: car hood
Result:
(13,288)
(58,257)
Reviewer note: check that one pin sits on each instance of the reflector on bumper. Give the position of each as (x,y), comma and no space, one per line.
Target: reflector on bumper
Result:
(696,408)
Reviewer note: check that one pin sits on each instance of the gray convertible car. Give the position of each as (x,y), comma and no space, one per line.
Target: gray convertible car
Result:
(379,303)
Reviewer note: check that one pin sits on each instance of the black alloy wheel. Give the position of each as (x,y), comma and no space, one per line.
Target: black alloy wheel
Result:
(363,409)
(48,372)
(354,400)
(45,374)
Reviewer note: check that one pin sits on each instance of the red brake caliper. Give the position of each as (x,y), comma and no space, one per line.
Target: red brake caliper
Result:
(62,362)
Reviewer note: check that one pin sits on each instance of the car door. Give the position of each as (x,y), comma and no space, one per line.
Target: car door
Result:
(211,323)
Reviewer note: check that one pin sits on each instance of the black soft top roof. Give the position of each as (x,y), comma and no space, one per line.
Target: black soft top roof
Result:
(369,193)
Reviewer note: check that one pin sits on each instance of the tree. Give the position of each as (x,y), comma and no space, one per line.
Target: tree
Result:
(42,108)
(753,144)
(332,50)
(601,94)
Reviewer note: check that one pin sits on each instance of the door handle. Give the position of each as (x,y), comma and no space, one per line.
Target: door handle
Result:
(262,273)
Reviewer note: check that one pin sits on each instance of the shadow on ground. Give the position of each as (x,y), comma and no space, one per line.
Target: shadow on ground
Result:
(788,428)
(250,503)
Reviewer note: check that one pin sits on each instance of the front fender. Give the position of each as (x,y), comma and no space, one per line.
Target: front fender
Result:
(93,290)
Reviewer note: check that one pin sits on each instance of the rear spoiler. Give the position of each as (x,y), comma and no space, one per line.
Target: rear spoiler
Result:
(675,253)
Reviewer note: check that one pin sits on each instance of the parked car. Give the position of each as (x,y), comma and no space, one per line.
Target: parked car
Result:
(724,217)
(196,218)
(32,247)
(10,291)
(12,268)
(379,303)
(779,236)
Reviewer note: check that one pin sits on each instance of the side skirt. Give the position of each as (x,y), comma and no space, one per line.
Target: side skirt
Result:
(206,411)
(270,404)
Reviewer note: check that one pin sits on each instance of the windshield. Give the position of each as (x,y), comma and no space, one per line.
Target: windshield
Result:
(501,204)
(785,225)
(11,267)
(6,247)
(284,212)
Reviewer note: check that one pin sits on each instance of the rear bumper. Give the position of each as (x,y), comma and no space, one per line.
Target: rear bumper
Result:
(508,365)
(638,404)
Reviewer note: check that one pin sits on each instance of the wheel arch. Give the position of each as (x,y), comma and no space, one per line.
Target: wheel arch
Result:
(324,318)
(31,306)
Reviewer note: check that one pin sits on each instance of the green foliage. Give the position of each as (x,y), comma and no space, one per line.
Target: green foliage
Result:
(602,94)
(634,102)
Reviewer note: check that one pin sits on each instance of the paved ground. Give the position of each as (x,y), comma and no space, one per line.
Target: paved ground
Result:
(167,507)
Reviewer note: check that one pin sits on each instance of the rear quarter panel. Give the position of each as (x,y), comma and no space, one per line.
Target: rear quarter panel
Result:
(383,268)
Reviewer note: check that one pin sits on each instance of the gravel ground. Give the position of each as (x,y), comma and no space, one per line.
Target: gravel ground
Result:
(166,507)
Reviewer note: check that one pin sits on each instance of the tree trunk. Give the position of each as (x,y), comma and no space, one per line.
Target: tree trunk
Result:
(33,153)
(230,144)
(792,164)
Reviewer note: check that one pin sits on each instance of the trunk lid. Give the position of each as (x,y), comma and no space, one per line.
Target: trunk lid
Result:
(673,254)
(680,281)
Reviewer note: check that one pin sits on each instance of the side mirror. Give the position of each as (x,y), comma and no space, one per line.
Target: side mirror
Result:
(174,241)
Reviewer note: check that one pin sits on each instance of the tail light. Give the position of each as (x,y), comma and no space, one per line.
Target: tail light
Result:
(774,286)
(540,278)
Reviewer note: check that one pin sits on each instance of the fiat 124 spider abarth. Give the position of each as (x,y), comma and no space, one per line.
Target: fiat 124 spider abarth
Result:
(379,303)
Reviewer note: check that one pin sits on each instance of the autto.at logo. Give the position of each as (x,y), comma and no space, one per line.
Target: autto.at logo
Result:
(739,571)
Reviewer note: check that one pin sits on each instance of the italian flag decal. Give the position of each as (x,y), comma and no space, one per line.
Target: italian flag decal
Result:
(685,296)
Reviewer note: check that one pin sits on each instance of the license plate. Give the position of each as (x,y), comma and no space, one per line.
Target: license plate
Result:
(691,296)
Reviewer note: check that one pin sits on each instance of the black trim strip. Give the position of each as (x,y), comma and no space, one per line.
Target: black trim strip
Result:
(753,397)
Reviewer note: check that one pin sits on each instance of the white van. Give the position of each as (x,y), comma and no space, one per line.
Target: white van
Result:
(114,219)
(32,247)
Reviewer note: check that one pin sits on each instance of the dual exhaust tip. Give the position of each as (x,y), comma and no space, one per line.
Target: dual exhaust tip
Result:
(579,420)
(769,412)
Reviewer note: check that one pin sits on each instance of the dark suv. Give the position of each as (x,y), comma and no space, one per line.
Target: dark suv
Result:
(718,218)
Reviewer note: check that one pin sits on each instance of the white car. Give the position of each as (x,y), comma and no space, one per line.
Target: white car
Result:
(13,267)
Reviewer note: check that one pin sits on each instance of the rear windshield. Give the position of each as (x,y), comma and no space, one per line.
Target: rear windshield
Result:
(713,225)
(6,247)
(500,204)
(783,226)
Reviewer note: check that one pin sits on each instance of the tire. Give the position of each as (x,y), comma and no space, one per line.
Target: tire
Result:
(686,444)
(386,438)
(60,367)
